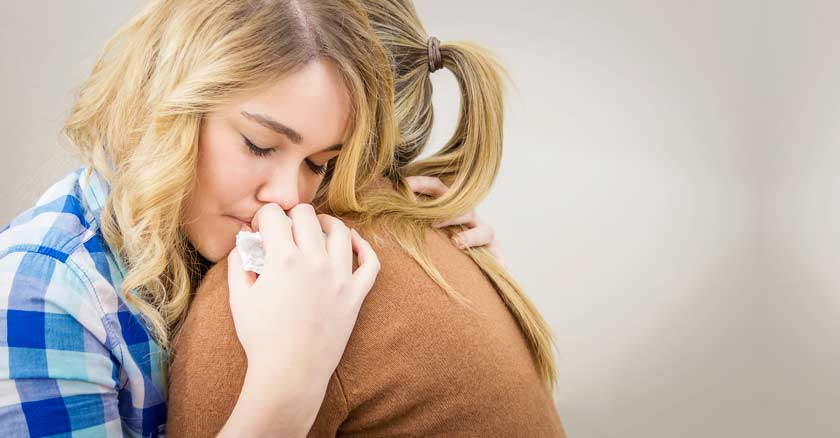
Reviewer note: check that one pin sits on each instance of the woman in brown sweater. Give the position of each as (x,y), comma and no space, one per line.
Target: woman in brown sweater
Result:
(418,363)
(446,343)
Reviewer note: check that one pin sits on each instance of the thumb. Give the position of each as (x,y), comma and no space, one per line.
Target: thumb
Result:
(238,278)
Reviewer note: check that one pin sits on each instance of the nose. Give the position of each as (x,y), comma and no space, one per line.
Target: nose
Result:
(282,188)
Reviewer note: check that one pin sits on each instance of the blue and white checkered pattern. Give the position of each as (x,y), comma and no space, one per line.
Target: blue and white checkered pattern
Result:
(75,359)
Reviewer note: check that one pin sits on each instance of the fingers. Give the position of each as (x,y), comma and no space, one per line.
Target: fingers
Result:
(276,230)
(368,269)
(238,278)
(427,185)
(339,246)
(478,236)
(307,230)
(468,219)
(494,249)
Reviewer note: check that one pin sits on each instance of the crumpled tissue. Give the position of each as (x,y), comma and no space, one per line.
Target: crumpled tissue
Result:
(250,248)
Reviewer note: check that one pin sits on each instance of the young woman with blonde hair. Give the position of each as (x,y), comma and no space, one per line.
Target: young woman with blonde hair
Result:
(173,126)
(447,343)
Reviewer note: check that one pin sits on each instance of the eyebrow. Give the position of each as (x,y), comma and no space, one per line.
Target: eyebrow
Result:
(280,128)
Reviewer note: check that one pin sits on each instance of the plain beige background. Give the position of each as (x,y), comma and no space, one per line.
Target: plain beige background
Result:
(668,194)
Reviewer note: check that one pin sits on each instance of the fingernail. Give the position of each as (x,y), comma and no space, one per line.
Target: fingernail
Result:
(457,242)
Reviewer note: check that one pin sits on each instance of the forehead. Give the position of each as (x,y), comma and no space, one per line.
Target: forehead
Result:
(313,101)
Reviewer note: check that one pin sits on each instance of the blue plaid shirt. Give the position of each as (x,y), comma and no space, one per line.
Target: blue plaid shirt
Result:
(75,359)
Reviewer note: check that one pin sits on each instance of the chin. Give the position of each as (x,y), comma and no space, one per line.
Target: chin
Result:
(214,256)
(218,250)
(217,247)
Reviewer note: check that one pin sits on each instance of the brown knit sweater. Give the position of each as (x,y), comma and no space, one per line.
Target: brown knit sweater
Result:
(417,364)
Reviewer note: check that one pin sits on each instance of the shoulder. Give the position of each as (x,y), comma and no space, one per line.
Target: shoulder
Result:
(60,221)
(58,241)
(55,264)
(402,276)
(408,314)
(63,317)
(65,323)
(409,322)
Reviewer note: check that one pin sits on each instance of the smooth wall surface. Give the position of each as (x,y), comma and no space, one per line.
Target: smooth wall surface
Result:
(666,195)
(629,202)
(47,48)
(801,213)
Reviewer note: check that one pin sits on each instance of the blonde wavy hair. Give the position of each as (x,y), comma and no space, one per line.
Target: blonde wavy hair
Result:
(136,122)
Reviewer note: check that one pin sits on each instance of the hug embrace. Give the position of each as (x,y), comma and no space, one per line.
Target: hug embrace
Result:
(383,308)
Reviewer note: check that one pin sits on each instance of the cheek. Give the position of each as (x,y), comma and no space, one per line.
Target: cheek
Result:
(309,188)
(225,176)
(226,172)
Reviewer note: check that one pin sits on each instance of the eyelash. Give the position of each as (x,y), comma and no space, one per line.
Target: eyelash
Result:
(260,152)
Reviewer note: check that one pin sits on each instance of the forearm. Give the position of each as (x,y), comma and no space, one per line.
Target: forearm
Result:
(286,409)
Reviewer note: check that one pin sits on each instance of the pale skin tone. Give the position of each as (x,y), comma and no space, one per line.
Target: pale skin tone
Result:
(295,126)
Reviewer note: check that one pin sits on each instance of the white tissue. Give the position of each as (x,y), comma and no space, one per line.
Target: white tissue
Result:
(251,251)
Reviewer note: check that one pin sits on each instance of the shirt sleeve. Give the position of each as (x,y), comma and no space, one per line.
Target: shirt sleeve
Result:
(57,376)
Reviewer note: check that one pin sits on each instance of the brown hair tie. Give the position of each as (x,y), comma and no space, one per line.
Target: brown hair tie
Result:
(435,60)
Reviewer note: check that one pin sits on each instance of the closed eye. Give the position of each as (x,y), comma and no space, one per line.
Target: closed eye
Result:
(262,152)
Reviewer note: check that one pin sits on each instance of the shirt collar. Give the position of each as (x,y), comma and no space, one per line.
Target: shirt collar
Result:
(94,191)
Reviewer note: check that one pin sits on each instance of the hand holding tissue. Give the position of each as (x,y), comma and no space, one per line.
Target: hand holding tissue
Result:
(251,250)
